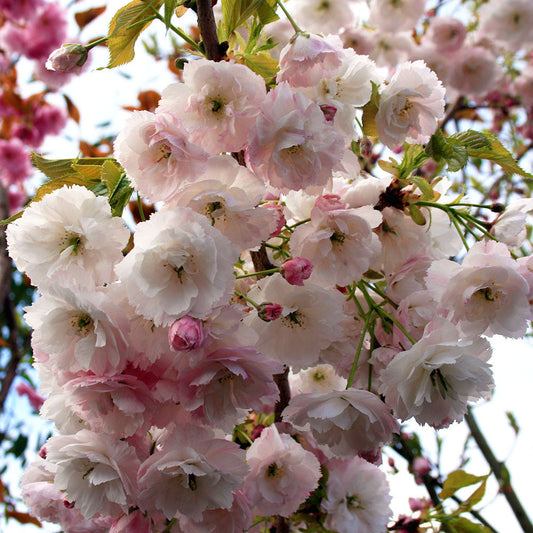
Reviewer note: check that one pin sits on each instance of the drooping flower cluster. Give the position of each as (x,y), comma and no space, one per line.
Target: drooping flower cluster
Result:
(269,251)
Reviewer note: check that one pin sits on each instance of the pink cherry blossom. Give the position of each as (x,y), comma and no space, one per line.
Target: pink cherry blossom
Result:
(282,473)
(292,145)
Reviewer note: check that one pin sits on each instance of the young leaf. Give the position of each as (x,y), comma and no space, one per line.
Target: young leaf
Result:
(487,146)
(441,149)
(125,28)
(513,423)
(460,524)
(262,64)
(236,12)
(458,479)
(118,187)
(170,6)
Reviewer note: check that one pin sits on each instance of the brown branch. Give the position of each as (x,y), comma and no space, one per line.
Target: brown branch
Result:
(208,30)
(16,355)
(500,472)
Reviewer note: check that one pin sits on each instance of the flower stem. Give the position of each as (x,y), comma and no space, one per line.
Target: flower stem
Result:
(288,15)
(262,273)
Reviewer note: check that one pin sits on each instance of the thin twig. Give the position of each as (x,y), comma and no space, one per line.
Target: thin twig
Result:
(500,472)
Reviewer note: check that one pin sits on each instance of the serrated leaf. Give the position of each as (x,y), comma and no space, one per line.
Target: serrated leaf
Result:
(51,185)
(440,148)
(261,63)
(460,524)
(118,186)
(52,168)
(125,28)
(497,153)
(471,139)
(414,157)
(91,172)
(236,12)
(456,480)
(170,6)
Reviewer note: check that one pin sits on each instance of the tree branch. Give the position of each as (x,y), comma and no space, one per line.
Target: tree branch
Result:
(500,472)
(208,30)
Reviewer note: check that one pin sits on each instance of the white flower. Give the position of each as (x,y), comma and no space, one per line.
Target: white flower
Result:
(486,294)
(217,103)
(80,331)
(347,87)
(179,265)
(228,195)
(510,226)
(310,322)
(348,421)
(282,473)
(436,378)
(339,243)
(308,58)
(320,378)
(475,71)
(191,472)
(292,145)
(320,16)
(396,15)
(358,497)
(97,472)
(509,22)
(410,105)
(67,238)
(157,156)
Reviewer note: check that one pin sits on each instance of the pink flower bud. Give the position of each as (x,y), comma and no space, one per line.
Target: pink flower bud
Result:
(297,269)
(418,504)
(68,58)
(35,399)
(421,467)
(269,312)
(186,334)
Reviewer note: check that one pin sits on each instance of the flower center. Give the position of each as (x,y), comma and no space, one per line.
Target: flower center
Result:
(293,319)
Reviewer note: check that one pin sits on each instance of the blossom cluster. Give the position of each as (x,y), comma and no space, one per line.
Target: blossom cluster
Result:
(270,251)
(29,29)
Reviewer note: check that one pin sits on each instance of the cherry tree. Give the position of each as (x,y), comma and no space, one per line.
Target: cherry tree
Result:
(305,241)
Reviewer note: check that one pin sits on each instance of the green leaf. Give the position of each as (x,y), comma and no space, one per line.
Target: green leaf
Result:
(427,191)
(460,524)
(125,28)
(414,157)
(118,187)
(487,146)
(456,480)
(170,6)
(19,446)
(474,498)
(261,63)
(441,149)
(61,168)
(416,214)
(370,110)
(236,12)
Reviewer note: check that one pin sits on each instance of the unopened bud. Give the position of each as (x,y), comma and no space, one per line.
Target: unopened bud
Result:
(186,334)
(68,58)
(297,269)
(421,466)
(269,312)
